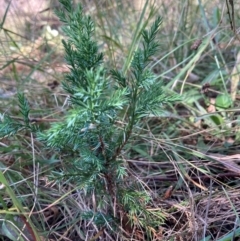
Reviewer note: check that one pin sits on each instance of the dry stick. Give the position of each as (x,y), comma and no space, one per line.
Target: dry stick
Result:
(35,120)
(207,209)
(231,19)
(202,177)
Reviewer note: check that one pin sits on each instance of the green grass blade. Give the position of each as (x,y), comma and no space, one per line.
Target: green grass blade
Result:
(5,15)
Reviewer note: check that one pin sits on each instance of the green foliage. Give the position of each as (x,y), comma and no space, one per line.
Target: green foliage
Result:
(105,107)
(223,101)
(107,156)
(9,126)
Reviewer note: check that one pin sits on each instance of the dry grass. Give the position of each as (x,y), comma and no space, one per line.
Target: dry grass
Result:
(198,159)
